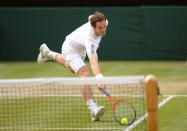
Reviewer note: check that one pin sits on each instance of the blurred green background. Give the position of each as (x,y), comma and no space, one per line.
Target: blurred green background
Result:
(134,33)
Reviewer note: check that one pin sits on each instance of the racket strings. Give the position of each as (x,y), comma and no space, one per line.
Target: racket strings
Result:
(124,110)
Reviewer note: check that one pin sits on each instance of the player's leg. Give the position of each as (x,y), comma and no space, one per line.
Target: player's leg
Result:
(61,60)
(46,54)
(96,112)
(86,90)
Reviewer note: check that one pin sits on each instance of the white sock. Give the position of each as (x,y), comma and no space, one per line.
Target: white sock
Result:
(91,105)
(89,102)
(51,54)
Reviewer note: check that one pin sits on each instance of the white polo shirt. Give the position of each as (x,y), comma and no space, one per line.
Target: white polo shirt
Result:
(80,42)
(83,40)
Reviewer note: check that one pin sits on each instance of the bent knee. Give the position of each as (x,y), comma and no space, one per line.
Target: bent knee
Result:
(69,68)
(84,72)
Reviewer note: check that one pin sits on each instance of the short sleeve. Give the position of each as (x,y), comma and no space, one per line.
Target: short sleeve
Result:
(91,47)
(106,22)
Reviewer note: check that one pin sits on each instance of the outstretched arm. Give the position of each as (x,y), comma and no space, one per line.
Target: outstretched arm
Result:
(94,64)
(96,69)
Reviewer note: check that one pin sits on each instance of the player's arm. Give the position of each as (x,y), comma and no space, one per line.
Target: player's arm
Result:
(96,69)
(91,49)
(94,64)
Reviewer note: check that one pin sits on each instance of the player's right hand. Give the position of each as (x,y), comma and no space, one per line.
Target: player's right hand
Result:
(101,88)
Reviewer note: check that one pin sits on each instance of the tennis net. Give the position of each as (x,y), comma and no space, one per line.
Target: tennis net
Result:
(42,104)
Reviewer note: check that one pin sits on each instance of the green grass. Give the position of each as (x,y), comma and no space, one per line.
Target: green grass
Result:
(169,70)
(171,75)
(55,112)
(164,70)
(173,115)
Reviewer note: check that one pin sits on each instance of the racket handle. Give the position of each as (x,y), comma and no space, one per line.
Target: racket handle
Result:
(106,93)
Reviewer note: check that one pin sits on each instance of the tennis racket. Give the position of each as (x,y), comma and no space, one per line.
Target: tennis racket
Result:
(122,109)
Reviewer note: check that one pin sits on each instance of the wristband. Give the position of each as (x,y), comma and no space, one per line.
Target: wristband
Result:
(99,76)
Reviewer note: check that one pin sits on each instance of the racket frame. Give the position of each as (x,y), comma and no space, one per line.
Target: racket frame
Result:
(117,101)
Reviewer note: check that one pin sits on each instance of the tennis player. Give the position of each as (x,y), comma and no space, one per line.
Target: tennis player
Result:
(84,40)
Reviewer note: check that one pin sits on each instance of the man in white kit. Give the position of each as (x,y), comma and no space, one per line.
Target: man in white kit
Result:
(84,40)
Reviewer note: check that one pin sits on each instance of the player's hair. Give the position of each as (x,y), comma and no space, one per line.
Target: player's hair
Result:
(97,16)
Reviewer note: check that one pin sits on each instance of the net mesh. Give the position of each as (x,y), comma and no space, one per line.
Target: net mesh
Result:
(58,104)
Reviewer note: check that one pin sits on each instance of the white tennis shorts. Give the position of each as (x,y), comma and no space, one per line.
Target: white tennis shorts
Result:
(74,59)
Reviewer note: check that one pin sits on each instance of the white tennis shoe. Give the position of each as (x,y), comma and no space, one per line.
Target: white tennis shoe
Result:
(42,55)
(97,112)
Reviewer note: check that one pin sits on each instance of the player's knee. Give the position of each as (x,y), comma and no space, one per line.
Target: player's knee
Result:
(58,57)
(84,72)
(70,69)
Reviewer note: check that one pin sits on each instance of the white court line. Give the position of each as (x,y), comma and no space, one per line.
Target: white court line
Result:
(176,95)
(136,122)
(165,101)
(80,95)
(26,128)
(143,117)
(64,95)
(77,95)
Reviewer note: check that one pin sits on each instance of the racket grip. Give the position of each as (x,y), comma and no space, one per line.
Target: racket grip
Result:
(106,93)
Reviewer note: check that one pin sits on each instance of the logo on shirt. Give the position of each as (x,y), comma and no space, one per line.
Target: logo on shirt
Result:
(92,49)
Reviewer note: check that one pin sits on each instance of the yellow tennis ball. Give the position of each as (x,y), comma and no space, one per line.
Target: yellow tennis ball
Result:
(124,120)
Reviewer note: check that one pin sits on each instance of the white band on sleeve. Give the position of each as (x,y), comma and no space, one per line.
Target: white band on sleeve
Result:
(99,76)
(106,22)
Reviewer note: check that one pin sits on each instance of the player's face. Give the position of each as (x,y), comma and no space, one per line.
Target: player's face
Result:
(100,29)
